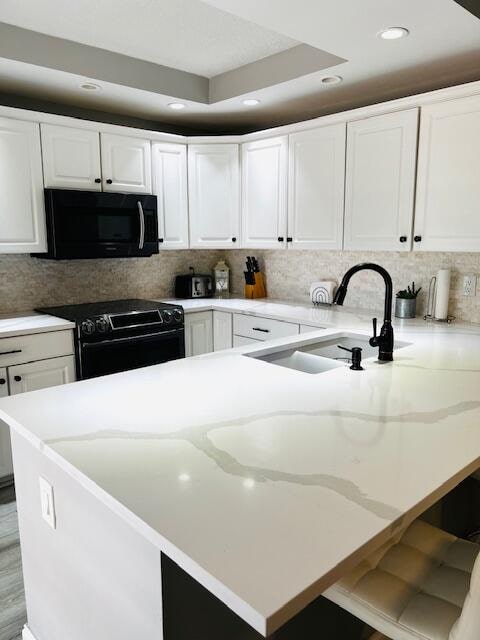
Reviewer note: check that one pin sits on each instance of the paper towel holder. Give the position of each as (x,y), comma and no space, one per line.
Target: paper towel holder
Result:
(430,315)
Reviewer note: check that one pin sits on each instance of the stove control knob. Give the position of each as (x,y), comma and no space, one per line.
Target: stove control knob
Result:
(178,315)
(87,327)
(102,324)
(167,316)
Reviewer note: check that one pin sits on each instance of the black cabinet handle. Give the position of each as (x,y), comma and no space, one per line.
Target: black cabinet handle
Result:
(160,239)
(280,238)
(260,329)
(17,378)
(403,238)
(109,181)
(289,239)
(417,238)
(2,381)
(98,180)
(234,239)
(7,353)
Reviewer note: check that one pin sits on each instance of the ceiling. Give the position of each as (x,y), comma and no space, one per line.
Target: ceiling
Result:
(210,55)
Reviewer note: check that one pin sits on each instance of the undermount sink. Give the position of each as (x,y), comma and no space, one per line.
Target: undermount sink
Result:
(321,356)
(301,361)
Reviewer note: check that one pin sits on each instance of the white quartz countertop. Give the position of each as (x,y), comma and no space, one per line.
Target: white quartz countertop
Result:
(263,483)
(31,322)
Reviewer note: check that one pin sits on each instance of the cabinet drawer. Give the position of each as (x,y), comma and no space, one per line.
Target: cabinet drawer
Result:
(38,346)
(240,341)
(262,328)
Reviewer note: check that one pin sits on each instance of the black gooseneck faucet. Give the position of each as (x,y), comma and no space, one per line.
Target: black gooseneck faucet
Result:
(384,341)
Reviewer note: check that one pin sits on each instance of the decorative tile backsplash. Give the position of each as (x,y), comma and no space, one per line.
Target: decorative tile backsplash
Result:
(289,275)
(27,282)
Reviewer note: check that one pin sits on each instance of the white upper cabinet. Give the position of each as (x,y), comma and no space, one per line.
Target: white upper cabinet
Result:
(126,164)
(22,208)
(214,195)
(380,182)
(447,214)
(316,184)
(264,193)
(170,187)
(71,158)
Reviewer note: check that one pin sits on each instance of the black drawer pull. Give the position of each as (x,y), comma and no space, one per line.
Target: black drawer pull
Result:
(403,238)
(17,378)
(7,353)
(280,238)
(109,181)
(234,239)
(289,239)
(2,381)
(160,239)
(262,330)
(418,238)
(98,180)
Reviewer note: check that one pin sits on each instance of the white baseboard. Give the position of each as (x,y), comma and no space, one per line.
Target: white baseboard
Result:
(27,634)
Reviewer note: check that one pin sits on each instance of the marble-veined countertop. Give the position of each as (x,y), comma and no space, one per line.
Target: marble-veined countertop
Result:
(31,322)
(267,484)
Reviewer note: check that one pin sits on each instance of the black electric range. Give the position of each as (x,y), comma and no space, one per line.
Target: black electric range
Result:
(118,335)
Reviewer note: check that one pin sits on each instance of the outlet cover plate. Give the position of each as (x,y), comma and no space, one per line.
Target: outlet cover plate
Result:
(47,502)
(469,285)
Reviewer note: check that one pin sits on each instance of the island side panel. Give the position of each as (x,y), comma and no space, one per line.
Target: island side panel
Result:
(92,576)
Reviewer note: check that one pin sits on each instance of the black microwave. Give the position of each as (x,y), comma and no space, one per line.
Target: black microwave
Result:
(89,224)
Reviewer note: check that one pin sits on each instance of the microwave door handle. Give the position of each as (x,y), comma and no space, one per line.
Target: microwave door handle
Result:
(141,240)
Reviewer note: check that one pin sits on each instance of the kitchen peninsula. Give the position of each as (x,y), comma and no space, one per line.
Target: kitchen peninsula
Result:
(262,483)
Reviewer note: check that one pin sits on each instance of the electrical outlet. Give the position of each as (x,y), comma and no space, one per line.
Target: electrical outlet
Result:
(47,502)
(469,285)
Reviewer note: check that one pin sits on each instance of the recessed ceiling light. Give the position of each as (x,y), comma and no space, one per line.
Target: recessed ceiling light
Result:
(176,106)
(251,102)
(331,79)
(90,86)
(394,33)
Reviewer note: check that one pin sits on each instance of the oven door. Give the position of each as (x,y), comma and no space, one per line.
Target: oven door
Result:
(121,354)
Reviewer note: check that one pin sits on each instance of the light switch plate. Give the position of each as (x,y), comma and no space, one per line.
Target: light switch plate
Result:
(47,502)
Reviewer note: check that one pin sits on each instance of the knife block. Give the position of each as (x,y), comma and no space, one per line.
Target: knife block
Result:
(256,290)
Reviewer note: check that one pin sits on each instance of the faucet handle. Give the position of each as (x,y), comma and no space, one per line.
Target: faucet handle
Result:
(374,322)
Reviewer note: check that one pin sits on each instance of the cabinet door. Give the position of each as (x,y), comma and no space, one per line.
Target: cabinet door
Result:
(222,330)
(126,164)
(214,195)
(380,182)
(447,215)
(41,374)
(71,158)
(316,185)
(170,187)
(22,209)
(6,466)
(264,193)
(198,333)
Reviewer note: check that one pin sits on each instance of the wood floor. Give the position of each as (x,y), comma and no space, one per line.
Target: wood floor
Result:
(12,601)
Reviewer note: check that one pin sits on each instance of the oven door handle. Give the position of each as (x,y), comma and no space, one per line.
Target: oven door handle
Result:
(141,214)
(131,339)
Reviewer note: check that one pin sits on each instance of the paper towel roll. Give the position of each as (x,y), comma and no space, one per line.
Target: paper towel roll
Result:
(442,292)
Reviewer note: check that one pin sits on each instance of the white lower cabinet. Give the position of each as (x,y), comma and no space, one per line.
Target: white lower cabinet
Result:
(6,467)
(241,341)
(17,377)
(41,374)
(258,328)
(198,333)
(222,330)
